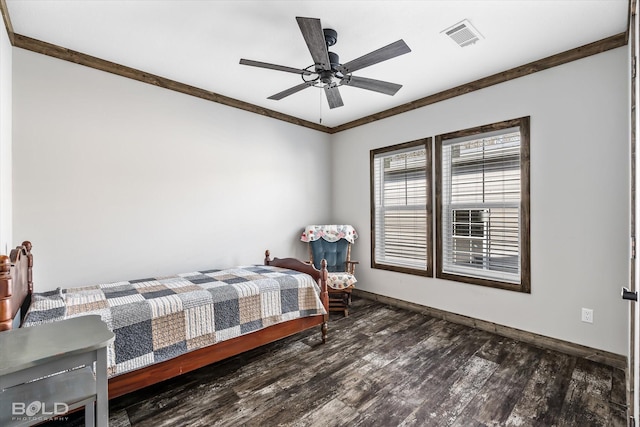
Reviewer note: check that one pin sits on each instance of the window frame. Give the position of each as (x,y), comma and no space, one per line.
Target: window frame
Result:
(524,286)
(425,143)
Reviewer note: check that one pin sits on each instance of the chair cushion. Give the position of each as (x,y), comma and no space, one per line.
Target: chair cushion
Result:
(341,281)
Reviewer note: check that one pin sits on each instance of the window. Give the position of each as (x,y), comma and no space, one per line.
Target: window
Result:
(482,205)
(401,208)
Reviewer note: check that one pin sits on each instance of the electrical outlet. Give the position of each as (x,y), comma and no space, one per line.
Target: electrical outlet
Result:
(587,315)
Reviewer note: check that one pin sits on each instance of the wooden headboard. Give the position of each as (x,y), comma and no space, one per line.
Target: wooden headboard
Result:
(16,285)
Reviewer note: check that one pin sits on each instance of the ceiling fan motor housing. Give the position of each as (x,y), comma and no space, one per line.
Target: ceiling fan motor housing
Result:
(334,60)
(330,36)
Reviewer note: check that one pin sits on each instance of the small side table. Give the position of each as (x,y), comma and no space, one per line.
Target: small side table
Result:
(60,356)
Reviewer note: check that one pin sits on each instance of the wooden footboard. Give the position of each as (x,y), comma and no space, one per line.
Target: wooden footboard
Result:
(304,267)
(135,380)
(16,287)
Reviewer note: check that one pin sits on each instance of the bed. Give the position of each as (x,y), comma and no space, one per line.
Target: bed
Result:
(171,325)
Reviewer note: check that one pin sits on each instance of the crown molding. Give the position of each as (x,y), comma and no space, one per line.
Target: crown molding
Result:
(65,54)
(59,52)
(600,46)
(7,21)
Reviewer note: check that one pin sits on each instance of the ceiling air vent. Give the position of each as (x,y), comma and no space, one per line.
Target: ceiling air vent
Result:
(463,33)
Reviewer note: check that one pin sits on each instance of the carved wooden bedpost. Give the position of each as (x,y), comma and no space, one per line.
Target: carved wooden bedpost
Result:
(16,285)
(5,293)
(324,297)
(27,246)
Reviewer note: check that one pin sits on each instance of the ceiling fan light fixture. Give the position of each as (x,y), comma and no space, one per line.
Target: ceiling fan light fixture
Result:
(463,33)
(326,77)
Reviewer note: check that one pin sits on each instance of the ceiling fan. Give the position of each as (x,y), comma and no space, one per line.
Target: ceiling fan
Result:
(327,72)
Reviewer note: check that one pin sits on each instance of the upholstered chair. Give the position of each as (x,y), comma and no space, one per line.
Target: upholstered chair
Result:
(333,243)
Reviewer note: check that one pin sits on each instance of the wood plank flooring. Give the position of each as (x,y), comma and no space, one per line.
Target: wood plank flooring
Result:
(385,366)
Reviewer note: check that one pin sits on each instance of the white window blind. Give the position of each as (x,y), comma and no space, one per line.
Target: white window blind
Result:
(481,193)
(400,192)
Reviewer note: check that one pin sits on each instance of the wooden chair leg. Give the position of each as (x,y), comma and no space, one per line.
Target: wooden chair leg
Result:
(346,298)
(340,301)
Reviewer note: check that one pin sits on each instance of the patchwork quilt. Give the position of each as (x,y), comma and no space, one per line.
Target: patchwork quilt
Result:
(157,319)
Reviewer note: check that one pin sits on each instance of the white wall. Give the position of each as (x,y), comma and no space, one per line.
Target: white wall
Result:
(116,179)
(579,200)
(6,239)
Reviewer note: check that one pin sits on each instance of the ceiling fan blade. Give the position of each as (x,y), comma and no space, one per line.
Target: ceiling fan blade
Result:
(311,29)
(387,88)
(274,67)
(390,51)
(333,96)
(290,91)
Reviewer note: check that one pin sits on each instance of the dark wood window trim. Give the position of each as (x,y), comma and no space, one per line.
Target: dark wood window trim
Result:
(525,230)
(427,144)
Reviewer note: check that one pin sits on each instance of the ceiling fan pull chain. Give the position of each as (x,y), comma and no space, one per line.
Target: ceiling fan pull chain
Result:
(320,93)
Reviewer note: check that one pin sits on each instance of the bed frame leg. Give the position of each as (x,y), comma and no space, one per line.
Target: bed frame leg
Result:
(324,296)
(324,329)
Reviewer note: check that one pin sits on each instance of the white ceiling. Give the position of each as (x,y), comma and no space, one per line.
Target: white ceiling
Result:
(201,42)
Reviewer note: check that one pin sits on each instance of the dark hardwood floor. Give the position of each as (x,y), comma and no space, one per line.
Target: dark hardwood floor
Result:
(385,366)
